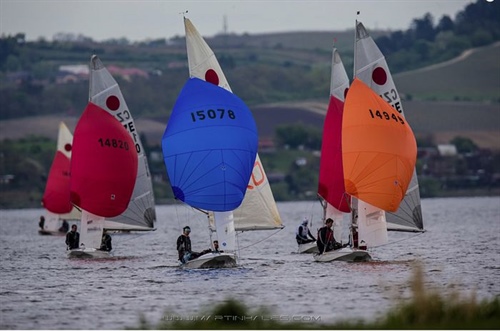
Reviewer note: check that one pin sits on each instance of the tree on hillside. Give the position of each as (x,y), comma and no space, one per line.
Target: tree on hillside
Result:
(445,24)
(464,145)
(481,14)
(424,28)
(9,47)
(296,135)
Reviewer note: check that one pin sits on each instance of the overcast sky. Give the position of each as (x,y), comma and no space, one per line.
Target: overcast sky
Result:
(139,20)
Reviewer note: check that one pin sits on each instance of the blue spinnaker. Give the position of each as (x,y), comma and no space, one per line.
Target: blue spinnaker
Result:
(209,147)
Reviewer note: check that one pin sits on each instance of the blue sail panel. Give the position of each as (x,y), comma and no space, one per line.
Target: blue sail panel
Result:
(209,147)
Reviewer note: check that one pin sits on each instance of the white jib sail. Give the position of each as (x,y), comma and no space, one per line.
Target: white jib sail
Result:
(372,226)
(226,234)
(91,230)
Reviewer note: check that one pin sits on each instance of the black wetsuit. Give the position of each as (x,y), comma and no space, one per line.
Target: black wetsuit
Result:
(73,240)
(106,243)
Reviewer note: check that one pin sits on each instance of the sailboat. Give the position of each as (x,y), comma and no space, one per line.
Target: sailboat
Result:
(56,197)
(368,223)
(258,211)
(371,68)
(209,148)
(110,180)
(378,156)
(331,190)
(105,92)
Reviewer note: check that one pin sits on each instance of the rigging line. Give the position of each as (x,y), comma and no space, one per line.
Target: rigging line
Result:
(258,242)
(178,205)
(238,249)
(403,239)
(135,236)
(312,205)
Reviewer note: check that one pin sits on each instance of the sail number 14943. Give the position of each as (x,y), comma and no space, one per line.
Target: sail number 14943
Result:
(219,113)
(385,115)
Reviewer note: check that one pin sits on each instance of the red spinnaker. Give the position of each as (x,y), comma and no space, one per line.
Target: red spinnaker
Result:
(331,173)
(103,165)
(56,197)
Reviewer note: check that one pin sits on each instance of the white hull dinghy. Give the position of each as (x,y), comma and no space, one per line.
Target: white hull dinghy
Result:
(88,253)
(212,261)
(344,254)
(308,248)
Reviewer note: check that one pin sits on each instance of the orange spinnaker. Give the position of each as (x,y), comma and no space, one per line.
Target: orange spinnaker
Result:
(379,150)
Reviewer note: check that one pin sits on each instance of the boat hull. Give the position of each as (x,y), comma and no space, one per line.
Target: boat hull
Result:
(51,233)
(88,253)
(344,254)
(211,260)
(308,248)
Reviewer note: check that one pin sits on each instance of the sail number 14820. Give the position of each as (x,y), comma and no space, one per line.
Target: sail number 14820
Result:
(113,143)
(219,113)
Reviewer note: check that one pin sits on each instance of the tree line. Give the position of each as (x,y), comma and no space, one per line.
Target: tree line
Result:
(29,70)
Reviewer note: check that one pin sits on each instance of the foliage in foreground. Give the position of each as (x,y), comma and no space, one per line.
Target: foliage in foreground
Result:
(426,309)
(429,309)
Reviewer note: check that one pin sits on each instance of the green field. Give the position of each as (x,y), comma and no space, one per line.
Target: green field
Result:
(473,77)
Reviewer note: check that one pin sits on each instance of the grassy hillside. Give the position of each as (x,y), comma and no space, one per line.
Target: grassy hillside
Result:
(320,41)
(472,76)
(442,120)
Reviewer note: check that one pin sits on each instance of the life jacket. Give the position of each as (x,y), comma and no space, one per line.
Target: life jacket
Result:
(328,235)
(305,231)
(355,238)
(184,243)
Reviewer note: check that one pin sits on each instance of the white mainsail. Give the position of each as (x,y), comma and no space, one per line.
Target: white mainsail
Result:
(258,210)
(371,68)
(140,214)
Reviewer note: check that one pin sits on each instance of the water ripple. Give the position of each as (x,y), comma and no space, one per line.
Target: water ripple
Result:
(43,289)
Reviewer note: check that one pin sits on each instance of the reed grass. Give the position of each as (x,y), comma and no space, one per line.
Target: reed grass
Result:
(431,309)
(425,309)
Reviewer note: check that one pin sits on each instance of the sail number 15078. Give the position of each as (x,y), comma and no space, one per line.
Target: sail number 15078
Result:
(219,113)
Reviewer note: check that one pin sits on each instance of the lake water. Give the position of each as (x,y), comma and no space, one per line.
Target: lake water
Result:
(42,289)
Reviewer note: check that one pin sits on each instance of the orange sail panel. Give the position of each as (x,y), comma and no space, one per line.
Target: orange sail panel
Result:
(378,148)
(56,195)
(331,178)
(103,165)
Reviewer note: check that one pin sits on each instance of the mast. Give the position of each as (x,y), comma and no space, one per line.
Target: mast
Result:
(355,33)
(353,233)
(91,79)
